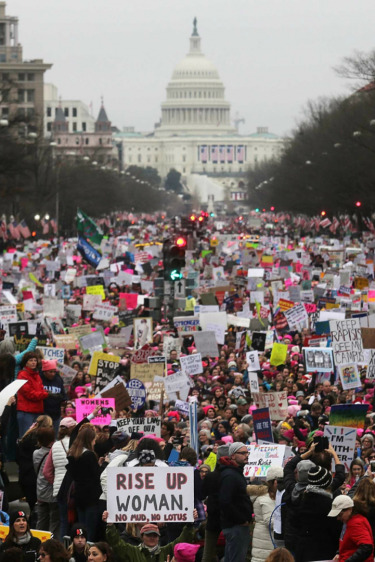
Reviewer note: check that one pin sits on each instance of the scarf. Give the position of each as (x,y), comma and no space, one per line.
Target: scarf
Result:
(317,490)
(153,550)
(24,539)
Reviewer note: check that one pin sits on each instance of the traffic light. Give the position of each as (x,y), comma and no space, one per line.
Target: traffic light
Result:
(174,257)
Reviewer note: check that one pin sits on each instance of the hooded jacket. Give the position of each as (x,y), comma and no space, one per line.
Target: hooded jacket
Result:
(263,506)
(235,504)
(31,395)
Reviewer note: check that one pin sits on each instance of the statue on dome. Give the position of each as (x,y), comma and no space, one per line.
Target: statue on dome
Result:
(195,30)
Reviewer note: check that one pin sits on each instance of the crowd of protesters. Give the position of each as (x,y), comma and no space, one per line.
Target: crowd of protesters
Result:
(311,508)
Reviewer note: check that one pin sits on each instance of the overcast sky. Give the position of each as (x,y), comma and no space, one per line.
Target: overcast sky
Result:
(272,55)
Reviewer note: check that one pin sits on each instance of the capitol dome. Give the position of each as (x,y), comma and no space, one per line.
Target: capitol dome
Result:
(195,102)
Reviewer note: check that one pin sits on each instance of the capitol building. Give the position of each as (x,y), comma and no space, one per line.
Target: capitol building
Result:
(195,134)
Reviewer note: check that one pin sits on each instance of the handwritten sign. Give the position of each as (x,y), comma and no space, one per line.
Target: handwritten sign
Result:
(261,458)
(192,364)
(140,425)
(342,440)
(84,407)
(276,401)
(146,372)
(347,341)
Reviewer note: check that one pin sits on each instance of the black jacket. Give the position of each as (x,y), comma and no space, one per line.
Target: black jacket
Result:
(30,549)
(318,534)
(85,473)
(235,504)
(52,406)
(210,491)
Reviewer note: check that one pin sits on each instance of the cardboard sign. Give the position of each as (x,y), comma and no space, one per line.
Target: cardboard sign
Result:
(318,359)
(192,364)
(252,359)
(368,338)
(262,424)
(119,392)
(342,440)
(53,307)
(261,458)
(186,325)
(371,365)
(278,354)
(140,425)
(153,494)
(253,382)
(96,290)
(67,341)
(346,341)
(177,383)
(155,390)
(276,402)
(146,372)
(53,353)
(84,407)
(258,340)
(67,373)
(206,344)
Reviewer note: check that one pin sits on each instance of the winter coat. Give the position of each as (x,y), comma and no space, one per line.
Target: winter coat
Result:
(52,406)
(118,460)
(357,536)
(31,395)
(55,466)
(210,491)
(317,534)
(235,504)
(130,553)
(30,547)
(25,450)
(263,506)
(85,473)
(44,490)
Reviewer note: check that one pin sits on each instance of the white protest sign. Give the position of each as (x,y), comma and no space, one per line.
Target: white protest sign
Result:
(297,316)
(347,341)
(233,320)
(67,373)
(53,353)
(277,402)
(177,383)
(342,440)
(349,376)
(90,302)
(255,272)
(9,391)
(140,425)
(262,457)
(192,364)
(252,358)
(206,343)
(104,312)
(53,307)
(8,314)
(155,494)
(170,344)
(186,325)
(253,382)
(371,364)
(219,332)
(50,290)
(182,406)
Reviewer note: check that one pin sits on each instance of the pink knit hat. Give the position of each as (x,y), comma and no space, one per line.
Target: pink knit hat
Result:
(185,552)
(49,365)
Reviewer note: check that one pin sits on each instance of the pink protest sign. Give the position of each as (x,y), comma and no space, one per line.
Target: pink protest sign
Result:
(84,407)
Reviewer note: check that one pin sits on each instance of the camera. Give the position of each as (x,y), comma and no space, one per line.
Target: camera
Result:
(105,411)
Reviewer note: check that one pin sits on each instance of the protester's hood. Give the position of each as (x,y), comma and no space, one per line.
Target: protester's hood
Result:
(303,468)
(227,461)
(7,346)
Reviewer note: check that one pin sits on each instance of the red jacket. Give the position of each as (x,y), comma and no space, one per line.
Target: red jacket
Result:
(358,531)
(30,397)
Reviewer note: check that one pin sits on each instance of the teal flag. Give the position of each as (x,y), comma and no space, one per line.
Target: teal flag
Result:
(87,227)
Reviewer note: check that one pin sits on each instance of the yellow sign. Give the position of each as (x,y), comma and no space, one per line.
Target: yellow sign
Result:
(278,354)
(20,307)
(214,242)
(100,356)
(146,372)
(35,280)
(42,535)
(96,290)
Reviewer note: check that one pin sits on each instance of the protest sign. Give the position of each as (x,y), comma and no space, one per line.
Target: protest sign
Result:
(186,325)
(142,355)
(103,367)
(258,340)
(219,332)
(53,353)
(253,382)
(92,341)
(66,341)
(262,424)
(67,373)
(182,407)
(170,344)
(96,290)
(346,341)
(137,392)
(157,359)
(10,390)
(318,359)
(118,340)
(371,365)
(368,338)
(19,328)
(8,314)
(144,425)
(141,494)
(342,440)
(53,307)
(155,390)
(276,401)
(297,317)
(146,372)
(252,359)
(177,383)
(348,415)
(192,364)
(91,301)
(278,354)
(261,458)
(104,312)
(205,343)
(349,376)
(84,407)
(193,423)
(233,320)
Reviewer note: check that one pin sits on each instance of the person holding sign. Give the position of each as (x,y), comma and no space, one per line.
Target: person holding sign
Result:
(150,548)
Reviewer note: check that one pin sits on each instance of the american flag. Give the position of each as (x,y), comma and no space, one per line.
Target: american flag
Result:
(54,225)
(14,230)
(214,153)
(3,230)
(45,225)
(204,153)
(24,229)
(240,154)
(325,222)
(222,153)
(230,153)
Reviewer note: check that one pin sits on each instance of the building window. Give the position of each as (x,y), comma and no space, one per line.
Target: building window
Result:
(83,126)
(130,159)
(5,95)
(5,111)
(148,158)
(139,157)
(74,112)
(30,77)
(184,158)
(86,140)
(30,112)
(49,111)
(21,96)
(21,76)
(74,126)
(66,111)
(156,158)
(5,76)
(2,57)
(58,141)
(30,96)
(77,140)
(100,141)
(184,170)
(49,126)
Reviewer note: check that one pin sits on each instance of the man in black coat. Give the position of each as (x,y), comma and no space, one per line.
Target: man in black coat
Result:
(235,505)
(54,385)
